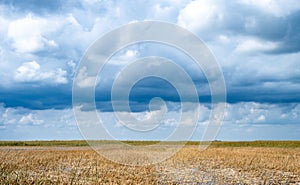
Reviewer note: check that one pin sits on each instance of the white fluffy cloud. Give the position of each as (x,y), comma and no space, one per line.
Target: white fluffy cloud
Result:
(21,123)
(251,113)
(30,119)
(199,15)
(83,80)
(250,45)
(29,34)
(32,33)
(32,72)
(246,113)
(243,113)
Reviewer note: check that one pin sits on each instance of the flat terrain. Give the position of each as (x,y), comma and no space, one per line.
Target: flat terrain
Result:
(260,162)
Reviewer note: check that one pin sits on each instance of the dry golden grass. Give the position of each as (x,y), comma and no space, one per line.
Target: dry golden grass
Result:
(216,165)
(238,165)
(66,166)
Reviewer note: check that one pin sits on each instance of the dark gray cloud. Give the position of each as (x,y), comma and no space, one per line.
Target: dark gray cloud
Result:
(291,40)
(37,97)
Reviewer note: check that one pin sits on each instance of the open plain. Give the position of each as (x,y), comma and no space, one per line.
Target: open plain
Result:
(221,163)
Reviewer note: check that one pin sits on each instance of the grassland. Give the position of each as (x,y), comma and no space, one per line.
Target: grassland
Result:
(73,162)
(74,143)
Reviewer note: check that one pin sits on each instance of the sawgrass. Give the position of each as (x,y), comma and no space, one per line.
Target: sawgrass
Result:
(66,143)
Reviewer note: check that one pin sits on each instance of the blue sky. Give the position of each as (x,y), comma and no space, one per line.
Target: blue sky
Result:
(256,44)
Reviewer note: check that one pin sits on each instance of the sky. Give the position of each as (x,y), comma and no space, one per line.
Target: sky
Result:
(256,44)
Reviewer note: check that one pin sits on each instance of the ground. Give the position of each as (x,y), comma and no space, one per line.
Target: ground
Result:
(215,165)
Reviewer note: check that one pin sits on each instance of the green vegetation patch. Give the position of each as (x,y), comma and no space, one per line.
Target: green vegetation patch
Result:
(280,144)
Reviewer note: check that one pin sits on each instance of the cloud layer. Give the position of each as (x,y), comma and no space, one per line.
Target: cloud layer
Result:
(243,121)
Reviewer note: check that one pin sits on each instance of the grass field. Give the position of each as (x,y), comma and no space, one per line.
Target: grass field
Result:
(73,162)
(281,144)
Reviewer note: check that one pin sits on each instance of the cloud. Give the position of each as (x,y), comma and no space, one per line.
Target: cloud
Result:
(242,113)
(21,123)
(83,80)
(36,6)
(254,45)
(31,72)
(30,119)
(268,21)
(27,34)
(142,121)
(242,121)
(198,15)
(278,7)
(26,124)
(252,113)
